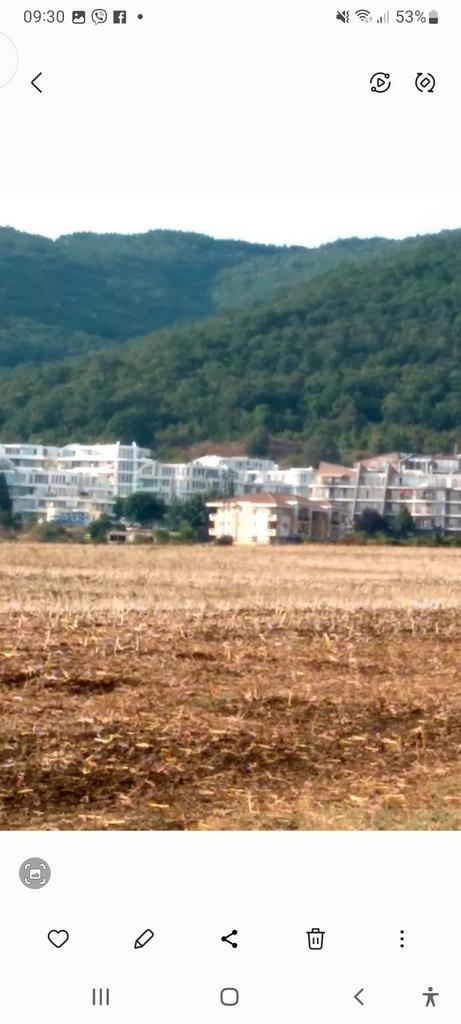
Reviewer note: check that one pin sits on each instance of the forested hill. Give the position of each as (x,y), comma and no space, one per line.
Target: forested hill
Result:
(362,357)
(84,291)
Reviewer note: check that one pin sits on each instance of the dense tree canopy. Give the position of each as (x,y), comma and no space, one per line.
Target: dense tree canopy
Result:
(365,356)
(85,290)
(143,508)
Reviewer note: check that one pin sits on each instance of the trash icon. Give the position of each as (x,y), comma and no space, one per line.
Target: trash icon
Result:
(315,938)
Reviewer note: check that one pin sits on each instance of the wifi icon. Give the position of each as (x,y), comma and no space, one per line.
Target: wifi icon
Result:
(364,15)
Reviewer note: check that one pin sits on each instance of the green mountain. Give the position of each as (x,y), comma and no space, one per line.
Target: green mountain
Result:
(84,291)
(363,356)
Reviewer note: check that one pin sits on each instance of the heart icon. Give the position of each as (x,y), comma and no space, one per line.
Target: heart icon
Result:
(58,938)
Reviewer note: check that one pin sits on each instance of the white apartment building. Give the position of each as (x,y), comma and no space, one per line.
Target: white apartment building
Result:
(255,476)
(82,481)
(191,478)
(48,482)
(42,484)
(428,486)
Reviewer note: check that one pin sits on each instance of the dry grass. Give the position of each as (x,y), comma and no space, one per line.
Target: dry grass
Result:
(298,688)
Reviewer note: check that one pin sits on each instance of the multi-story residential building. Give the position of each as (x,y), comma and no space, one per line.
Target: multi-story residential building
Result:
(270,518)
(84,480)
(428,486)
(48,482)
(42,485)
(191,478)
(247,475)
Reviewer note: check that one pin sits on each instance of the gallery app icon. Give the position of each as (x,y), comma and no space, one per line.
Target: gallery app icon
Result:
(78,17)
(35,873)
(119,17)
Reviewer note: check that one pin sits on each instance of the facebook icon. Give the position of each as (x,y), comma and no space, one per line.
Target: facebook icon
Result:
(120,17)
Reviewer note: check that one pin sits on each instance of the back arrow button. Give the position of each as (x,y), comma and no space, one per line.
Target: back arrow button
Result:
(357,996)
(34,82)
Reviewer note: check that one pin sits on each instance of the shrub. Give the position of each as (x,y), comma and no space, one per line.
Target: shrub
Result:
(224,540)
(49,533)
(186,532)
(161,536)
(99,529)
(370,521)
(404,524)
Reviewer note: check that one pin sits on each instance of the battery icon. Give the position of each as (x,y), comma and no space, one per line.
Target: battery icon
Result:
(433,17)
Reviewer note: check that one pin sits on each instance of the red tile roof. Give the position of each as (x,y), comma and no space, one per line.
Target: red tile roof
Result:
(330,469)
(372,460)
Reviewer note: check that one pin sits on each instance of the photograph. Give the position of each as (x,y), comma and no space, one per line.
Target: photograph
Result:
(230,517)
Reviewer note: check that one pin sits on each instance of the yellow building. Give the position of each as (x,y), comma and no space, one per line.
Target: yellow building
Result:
(268,518)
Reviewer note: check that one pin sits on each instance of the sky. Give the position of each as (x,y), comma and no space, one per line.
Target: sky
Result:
(292,219)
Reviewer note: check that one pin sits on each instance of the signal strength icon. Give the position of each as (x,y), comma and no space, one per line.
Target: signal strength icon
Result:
(384,19)
(364,15)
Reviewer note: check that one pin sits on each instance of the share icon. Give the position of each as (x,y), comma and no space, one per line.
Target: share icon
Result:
(227,938)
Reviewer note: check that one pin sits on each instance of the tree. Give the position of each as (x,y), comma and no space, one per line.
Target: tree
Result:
(371,522)
(6,504)
(99,528)
(119,508)
(144,508)
(320,447)
(193,511)
(258,442)
(404,524)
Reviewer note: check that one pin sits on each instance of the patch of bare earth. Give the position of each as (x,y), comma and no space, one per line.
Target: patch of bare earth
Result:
(276,717)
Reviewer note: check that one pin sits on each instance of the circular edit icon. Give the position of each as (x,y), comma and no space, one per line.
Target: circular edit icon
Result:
(99,16)
(380,82)
(35,873)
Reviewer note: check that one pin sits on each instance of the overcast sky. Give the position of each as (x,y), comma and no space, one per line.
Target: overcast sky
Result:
(284,220)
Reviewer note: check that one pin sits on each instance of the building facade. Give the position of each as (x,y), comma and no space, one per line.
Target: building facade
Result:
(429,487)
(79,482)
(271,518)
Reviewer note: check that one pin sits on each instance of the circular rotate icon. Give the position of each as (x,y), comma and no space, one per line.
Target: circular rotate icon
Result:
(9,60)
(35,873)
(380,82)
(425,82)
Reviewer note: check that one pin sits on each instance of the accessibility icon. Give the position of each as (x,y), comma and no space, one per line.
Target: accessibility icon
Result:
(430,996)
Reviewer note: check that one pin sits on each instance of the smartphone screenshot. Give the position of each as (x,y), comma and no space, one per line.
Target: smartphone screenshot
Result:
(230,512)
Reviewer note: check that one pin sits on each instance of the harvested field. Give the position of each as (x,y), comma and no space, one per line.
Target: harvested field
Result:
(204,688)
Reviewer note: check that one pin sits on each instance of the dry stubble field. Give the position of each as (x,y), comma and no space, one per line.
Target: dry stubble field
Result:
(205,688)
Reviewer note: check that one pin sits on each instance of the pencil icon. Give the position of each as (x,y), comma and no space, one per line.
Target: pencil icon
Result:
(144,938)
